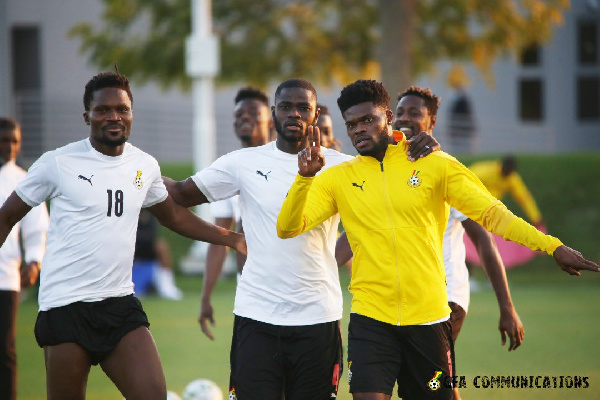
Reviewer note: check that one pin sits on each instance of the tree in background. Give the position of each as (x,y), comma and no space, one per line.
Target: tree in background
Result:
(325,41)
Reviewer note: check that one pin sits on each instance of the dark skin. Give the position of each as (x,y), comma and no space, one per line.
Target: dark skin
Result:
(510,324)
(110,117)
(134,365)
(252,122)
(365,125)
(10,147)
(252,125)
(412,115)
(294,112)
(295,109)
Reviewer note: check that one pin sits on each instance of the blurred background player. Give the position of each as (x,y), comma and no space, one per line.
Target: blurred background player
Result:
(152,265)
(325,125)
(501,177)
(252,125)
(13,275)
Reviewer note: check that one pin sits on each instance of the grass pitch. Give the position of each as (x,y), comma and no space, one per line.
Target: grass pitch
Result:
(561,314)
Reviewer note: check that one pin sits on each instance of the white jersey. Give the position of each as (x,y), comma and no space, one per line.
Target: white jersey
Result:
(33,228)
(457,274)
(285,282)
(228,208)
(95,205)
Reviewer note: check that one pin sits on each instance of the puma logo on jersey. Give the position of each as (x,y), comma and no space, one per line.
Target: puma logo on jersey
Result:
(83,178)
(266,176)
(359,186)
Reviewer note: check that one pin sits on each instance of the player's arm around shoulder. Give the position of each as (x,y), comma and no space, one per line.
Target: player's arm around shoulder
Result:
(184,193)
(181,220)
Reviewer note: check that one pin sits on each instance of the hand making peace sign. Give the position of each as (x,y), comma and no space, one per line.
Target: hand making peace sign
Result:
(310,159)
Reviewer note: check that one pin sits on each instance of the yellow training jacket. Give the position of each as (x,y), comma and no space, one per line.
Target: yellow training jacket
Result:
(394,214)
(490,174)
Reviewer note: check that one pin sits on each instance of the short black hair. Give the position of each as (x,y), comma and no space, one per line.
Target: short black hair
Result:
(432,102)
(324,109)
(509,165)
(9,124)
(251,93)
(105,80)
(295,83)
(362,91)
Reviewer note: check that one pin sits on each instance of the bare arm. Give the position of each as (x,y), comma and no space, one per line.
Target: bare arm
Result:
(163,253)
(184,193)
(29,274)
(510,323)
(12,211)
(184,222)
(239,257)
(34,229)
(215,258)
(343,252)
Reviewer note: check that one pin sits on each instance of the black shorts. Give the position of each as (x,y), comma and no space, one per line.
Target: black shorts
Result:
(95,326)
(419,357)
(301,362)
(457,318)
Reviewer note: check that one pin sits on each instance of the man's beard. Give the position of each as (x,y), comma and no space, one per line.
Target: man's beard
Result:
(281,134)
(112,142)
(380,146)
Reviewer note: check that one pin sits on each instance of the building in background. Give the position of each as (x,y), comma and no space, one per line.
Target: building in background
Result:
(549,101)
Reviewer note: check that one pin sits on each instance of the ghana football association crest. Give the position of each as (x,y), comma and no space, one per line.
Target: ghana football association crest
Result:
(137,181)
(232,395)
(415,180)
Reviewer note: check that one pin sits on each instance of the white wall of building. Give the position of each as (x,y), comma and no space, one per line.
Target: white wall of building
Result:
(496,109)
(162,123)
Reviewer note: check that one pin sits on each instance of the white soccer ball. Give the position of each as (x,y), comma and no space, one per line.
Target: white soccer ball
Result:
(202,389)
(414,180)
(171,395)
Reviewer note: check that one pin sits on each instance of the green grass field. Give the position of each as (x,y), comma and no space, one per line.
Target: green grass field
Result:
(561,313)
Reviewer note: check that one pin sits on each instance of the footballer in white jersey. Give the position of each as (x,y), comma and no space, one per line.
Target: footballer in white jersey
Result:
(252,125)
(93,217)
(97,187)
(284,282)
(289,294)
(18,269)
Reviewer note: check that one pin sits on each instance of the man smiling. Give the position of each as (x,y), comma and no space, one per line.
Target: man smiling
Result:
(97,186)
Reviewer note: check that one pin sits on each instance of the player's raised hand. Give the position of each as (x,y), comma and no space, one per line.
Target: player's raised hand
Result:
(571,261)
(310,159)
